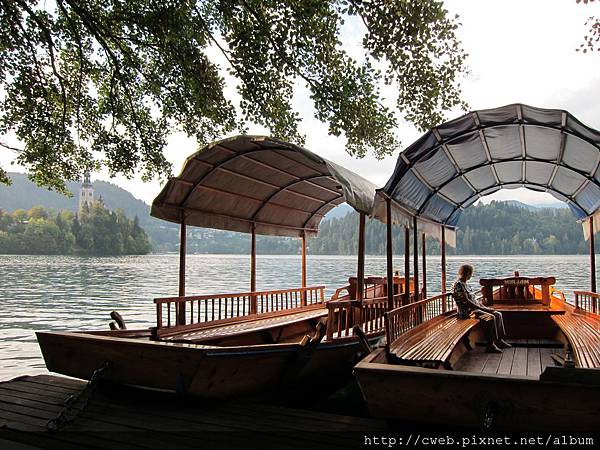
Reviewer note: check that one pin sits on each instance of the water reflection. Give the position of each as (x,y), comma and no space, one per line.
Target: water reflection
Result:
(70,293)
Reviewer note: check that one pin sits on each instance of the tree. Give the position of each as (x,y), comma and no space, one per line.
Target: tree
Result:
(20,215)
(100,82)
(591,41)
(37,212)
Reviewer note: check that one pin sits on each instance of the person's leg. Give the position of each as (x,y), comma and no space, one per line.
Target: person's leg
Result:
(489,321)
(501,331)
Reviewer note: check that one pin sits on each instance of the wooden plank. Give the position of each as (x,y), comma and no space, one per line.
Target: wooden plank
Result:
(50,396)
(519,366)
(6,399)
(5,443)
(474,361)
(21,422)
(506,361)
(322,418)
(546,357)
(534,365)
(39,383)
(493,363)
(46,441)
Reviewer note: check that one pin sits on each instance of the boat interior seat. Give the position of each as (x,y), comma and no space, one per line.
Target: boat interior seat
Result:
(431,343)
(583,334)
(258,324)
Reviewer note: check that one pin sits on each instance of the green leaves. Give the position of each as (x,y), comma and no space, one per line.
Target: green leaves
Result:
(104,83)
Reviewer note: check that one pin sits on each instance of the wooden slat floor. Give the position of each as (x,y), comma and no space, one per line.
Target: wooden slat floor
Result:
(247,326)
(525,358)
(122,418)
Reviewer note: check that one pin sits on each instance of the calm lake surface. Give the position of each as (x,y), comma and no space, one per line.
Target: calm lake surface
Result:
(78,293)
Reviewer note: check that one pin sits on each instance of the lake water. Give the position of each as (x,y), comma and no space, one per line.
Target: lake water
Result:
(77,293)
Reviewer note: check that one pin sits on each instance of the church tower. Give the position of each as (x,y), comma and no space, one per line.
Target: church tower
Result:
(86,194)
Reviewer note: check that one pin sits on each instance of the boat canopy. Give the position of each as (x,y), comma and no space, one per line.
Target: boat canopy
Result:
(256,181)
(456,163)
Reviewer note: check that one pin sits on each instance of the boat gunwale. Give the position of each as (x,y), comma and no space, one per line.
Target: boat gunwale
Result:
(368,365)
(95,338)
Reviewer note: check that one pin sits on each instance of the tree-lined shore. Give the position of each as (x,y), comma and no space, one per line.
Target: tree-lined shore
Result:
(498,228)
(95,231)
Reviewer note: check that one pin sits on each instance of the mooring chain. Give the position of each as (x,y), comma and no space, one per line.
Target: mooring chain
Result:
(71,410)
(489,416)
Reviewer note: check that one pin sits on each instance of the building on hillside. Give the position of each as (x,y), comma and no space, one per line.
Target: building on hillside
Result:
(86,194)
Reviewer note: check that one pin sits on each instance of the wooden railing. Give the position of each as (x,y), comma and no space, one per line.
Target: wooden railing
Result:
(179,311)
(345,310)
(405,318)
(344,314)
(588,301)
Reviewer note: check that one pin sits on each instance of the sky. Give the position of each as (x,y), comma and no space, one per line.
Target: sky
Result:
(519,52)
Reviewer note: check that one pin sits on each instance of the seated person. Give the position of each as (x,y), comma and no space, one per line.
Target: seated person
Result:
(469,306)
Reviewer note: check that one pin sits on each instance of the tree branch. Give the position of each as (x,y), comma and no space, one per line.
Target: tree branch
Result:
(50,43)
(312,82)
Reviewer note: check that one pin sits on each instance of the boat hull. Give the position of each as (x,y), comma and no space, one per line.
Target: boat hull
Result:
(202,370)
(462,399)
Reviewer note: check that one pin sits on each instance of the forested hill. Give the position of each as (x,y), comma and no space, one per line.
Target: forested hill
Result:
(24,194)
(496,228)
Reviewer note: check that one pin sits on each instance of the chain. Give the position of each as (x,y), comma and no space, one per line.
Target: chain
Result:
(489,416)
(77,403)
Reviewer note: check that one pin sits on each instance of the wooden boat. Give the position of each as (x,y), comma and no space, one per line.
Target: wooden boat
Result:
(252,342)
(433,367)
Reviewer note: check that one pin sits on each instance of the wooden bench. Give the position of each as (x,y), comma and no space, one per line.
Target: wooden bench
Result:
(583,334)
(425,333)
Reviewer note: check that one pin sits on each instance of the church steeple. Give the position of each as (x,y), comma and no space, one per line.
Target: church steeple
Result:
(86,194)
(86,180)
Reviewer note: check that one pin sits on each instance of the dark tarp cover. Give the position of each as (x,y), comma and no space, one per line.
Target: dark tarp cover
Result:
(454,164)
(277,187)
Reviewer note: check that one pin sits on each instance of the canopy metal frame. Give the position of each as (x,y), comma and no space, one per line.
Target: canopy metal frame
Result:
(468,130)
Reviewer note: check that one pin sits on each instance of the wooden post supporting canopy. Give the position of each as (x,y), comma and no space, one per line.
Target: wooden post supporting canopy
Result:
(592,256)
(360,275)
(406,265)
(416,258)
(182,251)
(424,250)
(303,296)
(443,251)
(390,255)
(253,306)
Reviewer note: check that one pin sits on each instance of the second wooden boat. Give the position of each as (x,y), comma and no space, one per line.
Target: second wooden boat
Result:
(245,343)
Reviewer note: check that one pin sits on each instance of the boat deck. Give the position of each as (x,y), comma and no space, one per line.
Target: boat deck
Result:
(246,326)
(124,418)
(526,358)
